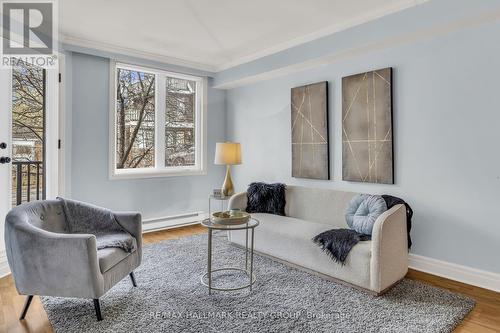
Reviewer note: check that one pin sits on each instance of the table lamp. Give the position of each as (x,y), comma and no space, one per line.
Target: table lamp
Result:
(227,153)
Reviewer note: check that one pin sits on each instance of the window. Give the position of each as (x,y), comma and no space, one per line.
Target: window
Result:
(180,119)
(135,119)
(157,123)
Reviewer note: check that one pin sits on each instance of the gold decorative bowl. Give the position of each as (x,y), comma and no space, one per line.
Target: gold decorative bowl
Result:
(230,218)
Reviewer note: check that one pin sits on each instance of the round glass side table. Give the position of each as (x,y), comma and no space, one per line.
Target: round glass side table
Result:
(250,225)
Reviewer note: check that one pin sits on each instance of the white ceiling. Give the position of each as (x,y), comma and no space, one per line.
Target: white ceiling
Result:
(211,34)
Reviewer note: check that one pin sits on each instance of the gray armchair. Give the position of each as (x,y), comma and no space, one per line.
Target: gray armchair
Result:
(46,260)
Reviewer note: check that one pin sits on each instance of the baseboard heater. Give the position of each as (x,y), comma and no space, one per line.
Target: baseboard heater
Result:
(4,265)
(159,223)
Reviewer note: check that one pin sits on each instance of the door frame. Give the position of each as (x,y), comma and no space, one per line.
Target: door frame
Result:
(5,196)
(64,133)
(54,157)
(51,158)
(52,134)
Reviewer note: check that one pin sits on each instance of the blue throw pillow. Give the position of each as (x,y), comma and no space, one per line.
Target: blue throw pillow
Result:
(363,211)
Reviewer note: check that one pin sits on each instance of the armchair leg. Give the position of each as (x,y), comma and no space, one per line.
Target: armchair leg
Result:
(132,277)
(97,307)
(27,303)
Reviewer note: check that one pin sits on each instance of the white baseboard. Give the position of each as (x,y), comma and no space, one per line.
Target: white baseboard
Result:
(167,222)
(465,274)
(4,265)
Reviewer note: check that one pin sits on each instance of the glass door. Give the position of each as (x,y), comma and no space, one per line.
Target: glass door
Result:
(5,155)
(28,137)
(28,134)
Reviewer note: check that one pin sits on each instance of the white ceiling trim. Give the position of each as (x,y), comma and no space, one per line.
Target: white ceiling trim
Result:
(164,58)
(404,4)
(423,34)
(90,44)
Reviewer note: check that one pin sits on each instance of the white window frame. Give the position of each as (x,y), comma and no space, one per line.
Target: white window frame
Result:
(160,170)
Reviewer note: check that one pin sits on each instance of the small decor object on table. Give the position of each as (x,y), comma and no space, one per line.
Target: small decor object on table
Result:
(217,193)
(251,224)
(223,200)
(232,217)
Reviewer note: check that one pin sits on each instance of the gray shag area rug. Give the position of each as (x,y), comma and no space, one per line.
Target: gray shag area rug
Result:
(170,298)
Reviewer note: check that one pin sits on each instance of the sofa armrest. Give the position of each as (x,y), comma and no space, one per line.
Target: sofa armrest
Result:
(53,264)
(238,201)
(389,262)
(132,222)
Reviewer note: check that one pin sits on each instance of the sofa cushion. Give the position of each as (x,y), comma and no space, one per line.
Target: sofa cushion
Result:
(266,198)
(363,211)
(109,257)
(290,239)
(318,205)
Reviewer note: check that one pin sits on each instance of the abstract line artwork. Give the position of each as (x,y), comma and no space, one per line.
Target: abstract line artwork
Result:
(310,148)
(367,150)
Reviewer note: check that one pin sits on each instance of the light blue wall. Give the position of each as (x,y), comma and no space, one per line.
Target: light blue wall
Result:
(446,116)
(446,134)
(89,135)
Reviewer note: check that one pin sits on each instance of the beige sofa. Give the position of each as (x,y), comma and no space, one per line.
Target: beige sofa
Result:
(372,265)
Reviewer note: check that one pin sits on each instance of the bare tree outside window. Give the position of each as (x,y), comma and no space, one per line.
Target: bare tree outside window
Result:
(151,103)
(180,122)
(135,112)
(28,113)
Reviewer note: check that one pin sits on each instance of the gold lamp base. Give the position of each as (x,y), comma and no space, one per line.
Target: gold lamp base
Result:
(227,187)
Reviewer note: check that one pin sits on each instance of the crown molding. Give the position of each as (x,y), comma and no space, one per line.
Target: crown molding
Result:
(380,12)
(108,47)
(131,52)
(422,34)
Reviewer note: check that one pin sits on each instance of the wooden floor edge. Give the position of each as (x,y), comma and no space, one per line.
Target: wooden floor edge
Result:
(412,271)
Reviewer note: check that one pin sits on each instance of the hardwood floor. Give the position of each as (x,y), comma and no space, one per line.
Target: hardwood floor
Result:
(485,317)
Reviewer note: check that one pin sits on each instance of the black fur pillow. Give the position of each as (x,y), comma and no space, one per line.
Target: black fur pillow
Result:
(266,198)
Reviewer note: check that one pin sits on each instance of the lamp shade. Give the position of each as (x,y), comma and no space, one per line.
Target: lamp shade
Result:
(227,153)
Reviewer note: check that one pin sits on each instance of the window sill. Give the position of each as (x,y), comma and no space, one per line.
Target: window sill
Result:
(154,173)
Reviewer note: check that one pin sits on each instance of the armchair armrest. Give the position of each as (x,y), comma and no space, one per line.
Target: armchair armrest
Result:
(238,201)
(132,222)
(53,264)
(389,262)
